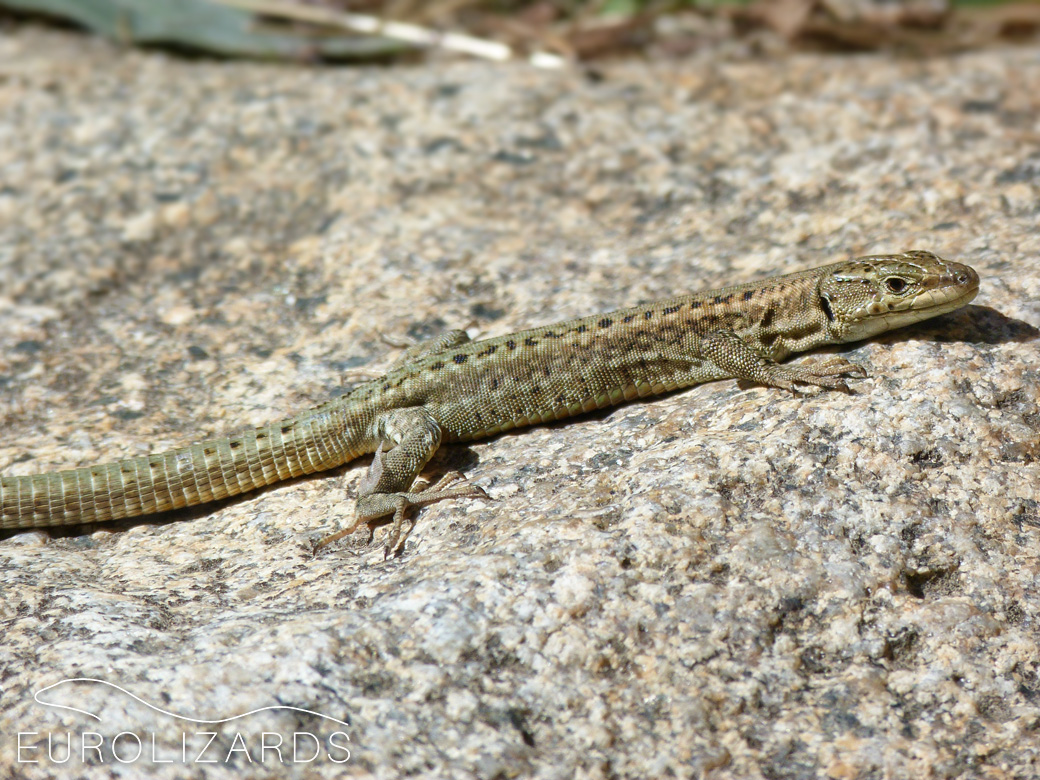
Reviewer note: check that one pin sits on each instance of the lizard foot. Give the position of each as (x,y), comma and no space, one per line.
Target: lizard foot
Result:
(377,505)
(451,485)
(830,372)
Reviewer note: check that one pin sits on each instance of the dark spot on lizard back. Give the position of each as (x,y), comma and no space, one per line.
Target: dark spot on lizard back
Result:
(695,304)
(629,318)
(606,322)
(261,436)
(648,314)
(671,309)
(235,444)
(581,329)
(749,295)
(437,366)
(460,358)
(489,351)
(511,344)
(287,428)
(531,342)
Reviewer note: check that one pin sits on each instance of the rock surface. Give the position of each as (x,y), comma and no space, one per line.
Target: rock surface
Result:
(729,582)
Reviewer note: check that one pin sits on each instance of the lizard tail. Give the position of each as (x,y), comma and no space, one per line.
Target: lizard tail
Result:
(206,471)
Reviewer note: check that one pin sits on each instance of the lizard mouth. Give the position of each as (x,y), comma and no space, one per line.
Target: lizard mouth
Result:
(956,286)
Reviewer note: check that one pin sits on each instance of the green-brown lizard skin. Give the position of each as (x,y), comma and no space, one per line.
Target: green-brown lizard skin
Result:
(454,389)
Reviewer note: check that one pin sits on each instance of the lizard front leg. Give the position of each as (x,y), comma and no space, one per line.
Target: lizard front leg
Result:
(414,436)
(735,358)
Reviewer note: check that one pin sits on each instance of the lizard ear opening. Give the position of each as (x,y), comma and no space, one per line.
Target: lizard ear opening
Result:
(825,304)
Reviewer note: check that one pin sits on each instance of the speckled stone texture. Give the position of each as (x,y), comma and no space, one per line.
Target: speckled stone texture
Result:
(729,582)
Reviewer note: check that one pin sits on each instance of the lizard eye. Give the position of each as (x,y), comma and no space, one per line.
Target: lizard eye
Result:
(895,285)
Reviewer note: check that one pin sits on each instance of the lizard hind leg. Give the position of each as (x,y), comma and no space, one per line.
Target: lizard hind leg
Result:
(414,436)
(447,340)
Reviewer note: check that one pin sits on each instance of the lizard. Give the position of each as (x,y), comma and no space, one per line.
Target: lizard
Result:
(452,389)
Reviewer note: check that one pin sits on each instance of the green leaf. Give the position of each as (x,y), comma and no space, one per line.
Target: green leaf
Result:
(205,26)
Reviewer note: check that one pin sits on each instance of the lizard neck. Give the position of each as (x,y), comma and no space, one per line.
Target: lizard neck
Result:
(778,316)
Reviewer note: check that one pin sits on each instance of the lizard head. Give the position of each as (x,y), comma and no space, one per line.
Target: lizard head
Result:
(873,294)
